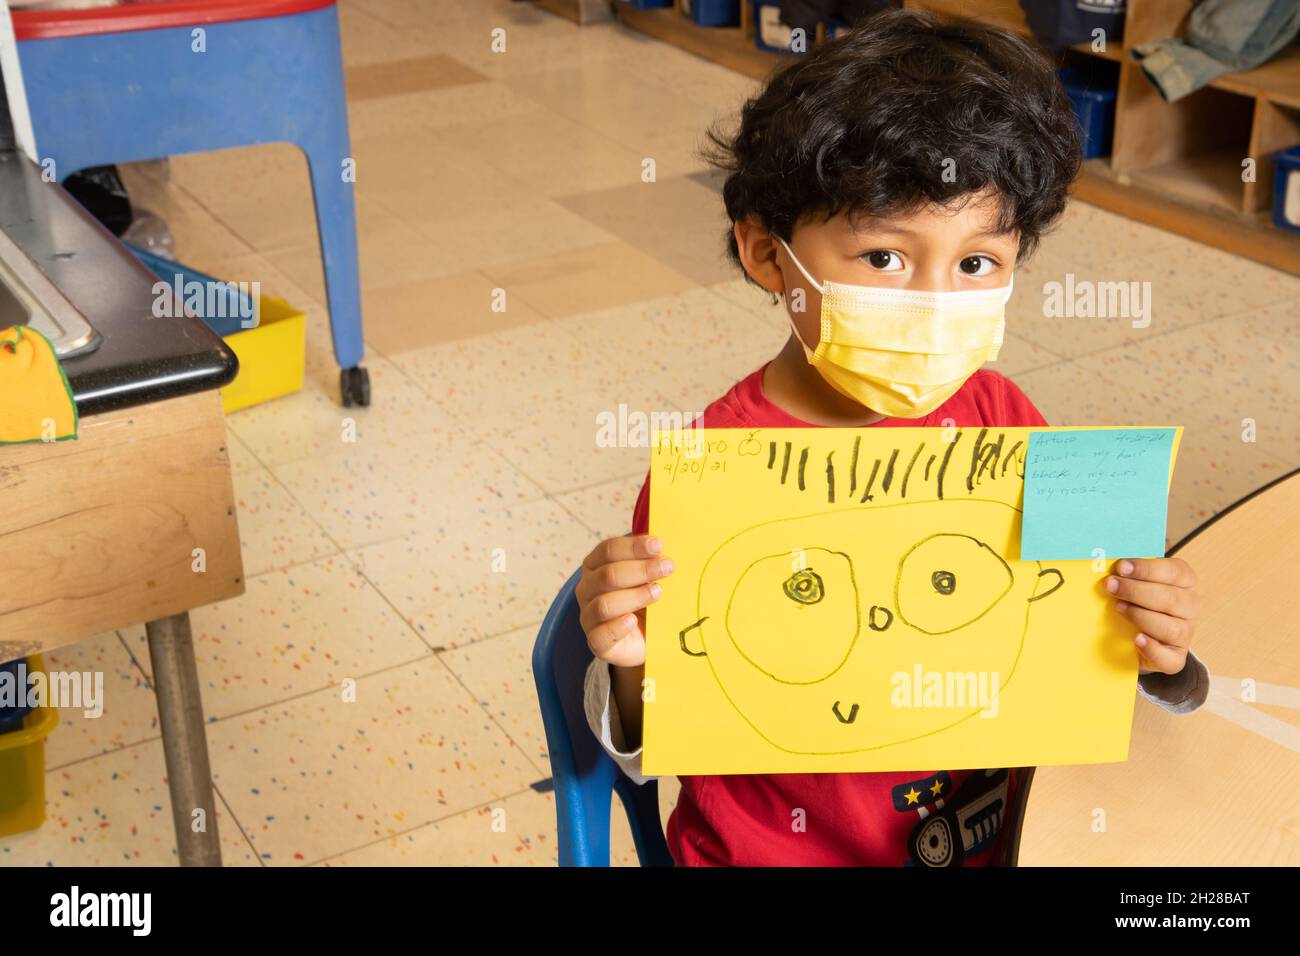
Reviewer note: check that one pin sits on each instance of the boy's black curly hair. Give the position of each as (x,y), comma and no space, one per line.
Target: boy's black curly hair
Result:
(863,126)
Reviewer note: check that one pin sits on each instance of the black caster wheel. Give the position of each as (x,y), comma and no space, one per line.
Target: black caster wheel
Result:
(354,387)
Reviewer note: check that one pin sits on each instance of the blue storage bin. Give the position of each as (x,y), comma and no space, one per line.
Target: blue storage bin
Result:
(770,33)
(1286,189)
(713,13)
(1094,105)
(236,303)
(11,718)
(648,4)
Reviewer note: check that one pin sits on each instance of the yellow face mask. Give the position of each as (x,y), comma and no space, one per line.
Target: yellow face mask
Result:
(900,352)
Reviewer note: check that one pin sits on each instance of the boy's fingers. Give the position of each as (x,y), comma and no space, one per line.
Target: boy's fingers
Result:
(1179,602)
(618,642)
(1173,631)
(611,604)
(1160,657)
(625,548)
(1173,571)
(621,575)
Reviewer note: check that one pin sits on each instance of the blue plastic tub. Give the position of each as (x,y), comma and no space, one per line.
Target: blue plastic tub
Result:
(770,33)
(11,718)
(1094,106)
(235,303)
(713,13)
(1286,189)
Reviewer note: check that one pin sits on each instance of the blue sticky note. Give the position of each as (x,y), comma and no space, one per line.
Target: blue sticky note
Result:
(1098,492)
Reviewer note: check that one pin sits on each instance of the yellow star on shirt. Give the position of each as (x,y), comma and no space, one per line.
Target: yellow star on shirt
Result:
(912,795)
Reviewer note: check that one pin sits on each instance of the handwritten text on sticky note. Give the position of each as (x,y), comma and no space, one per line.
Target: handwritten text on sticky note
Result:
(1096,493)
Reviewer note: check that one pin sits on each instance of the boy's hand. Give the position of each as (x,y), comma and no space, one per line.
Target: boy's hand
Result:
(617,584)
(1159,596)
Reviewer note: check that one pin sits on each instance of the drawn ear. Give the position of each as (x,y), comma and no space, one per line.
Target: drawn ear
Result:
(684,639)
(1060,579)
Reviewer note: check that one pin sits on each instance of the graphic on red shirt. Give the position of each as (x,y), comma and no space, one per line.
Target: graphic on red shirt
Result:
(849,819)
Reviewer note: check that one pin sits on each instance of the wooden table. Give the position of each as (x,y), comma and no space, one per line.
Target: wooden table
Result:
(1219,787)
(134,521)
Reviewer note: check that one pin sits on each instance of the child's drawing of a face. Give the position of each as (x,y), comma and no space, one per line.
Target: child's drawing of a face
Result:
(813,615)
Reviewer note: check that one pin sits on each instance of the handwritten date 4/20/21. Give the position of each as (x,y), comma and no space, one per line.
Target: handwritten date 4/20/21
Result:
(1190,898)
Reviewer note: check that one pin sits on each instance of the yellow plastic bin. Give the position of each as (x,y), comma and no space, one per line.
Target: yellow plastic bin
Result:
(22,768)
(271,356)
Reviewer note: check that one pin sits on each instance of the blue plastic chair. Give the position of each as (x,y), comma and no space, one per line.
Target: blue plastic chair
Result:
(122,84)
(585,776)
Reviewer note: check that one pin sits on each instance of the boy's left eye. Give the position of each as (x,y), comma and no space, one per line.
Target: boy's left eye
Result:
(977,265)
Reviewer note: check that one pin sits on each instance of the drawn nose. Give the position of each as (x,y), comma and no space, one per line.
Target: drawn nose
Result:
(880,618)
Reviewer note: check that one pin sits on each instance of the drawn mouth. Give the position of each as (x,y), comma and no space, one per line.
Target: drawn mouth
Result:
(853,713)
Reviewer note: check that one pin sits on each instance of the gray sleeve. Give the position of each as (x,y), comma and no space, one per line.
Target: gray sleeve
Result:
(1179,693)
(602,718)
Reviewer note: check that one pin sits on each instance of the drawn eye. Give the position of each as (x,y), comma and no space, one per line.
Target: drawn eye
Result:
(927,592)
(797,627)
(804,587)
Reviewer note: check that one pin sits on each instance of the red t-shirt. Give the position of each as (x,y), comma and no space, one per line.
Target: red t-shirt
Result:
(847,819)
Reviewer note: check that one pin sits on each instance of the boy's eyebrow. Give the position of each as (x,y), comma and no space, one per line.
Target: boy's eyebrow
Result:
(884,230)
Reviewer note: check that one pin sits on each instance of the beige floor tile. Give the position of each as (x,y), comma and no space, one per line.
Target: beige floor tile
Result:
(274,530)
(494,238)
(605,508)
(587,279)
(426,177)
(368,39)
(499,673)
(401,113)
(674,219)
(316,776)
(421,314)
(680,330)
(516,831)
(291,633)
(751,298)
(129,710)
(198,235)
(389,491)
(312,423)
(412,75)
(591,438)
(475,379)
(550,152)
(242,459)
(479,575)
(260,193)
(114,810)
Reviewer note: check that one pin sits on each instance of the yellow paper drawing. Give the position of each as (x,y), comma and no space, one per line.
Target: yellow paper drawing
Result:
(852,600)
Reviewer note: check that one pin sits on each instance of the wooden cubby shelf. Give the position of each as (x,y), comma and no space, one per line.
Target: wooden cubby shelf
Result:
(1178,166)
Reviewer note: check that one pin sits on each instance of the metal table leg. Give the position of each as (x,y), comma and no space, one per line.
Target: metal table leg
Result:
(185,741)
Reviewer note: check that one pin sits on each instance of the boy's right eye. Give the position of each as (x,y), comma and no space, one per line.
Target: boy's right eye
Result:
(883,260)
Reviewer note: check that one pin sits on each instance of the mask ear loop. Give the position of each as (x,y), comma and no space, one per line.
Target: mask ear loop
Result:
(811,281)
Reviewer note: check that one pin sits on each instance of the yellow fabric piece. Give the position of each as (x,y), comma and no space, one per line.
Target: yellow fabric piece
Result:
(35,398)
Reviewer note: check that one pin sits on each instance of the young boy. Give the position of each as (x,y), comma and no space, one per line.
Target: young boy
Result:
(911,160)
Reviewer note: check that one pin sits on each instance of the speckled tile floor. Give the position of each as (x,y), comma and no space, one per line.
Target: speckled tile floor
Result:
(418,559)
